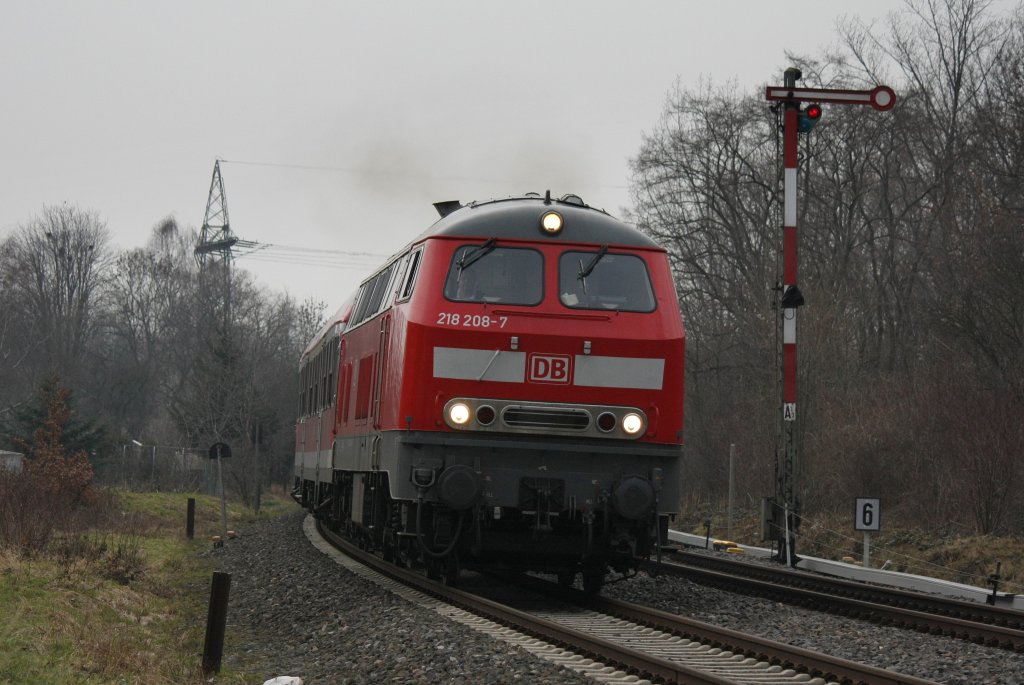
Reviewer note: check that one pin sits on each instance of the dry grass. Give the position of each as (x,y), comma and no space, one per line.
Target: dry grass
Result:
(942,554)
(121,598)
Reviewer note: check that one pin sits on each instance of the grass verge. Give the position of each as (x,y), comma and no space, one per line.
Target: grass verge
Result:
(123,600)
(948,555)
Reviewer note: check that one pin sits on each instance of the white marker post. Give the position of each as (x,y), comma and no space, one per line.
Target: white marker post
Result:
(867,517)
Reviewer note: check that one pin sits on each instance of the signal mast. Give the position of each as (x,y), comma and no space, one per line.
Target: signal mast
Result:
(782,512)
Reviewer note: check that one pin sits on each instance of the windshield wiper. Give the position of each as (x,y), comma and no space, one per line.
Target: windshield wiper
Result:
(585,270)
(470,256)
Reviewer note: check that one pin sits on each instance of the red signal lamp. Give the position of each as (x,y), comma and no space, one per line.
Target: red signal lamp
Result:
(808,118)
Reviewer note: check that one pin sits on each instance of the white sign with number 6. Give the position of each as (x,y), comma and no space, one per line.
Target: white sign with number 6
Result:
(867,514)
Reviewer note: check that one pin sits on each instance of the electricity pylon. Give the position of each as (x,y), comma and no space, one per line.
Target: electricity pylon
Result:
(216,239)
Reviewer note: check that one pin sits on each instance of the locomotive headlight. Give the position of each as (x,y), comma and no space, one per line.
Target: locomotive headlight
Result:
(632,423)
(551,223)
(485,415)
(459,413)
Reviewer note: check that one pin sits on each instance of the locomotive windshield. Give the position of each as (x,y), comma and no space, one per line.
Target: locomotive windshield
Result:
(487,273)
(602,280)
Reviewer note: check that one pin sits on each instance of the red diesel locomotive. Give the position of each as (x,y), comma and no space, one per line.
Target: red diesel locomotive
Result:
(506,391)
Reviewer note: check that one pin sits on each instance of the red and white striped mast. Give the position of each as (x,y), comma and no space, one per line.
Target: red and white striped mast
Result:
(785,508)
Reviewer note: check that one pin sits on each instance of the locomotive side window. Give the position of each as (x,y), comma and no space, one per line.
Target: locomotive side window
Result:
(315,384)
(321,377)
(398,278)
(604,280)
(362,300)
(373,295)
(380,287)
(394,282)
(333,396)
(410,278)
(318,389)
(485,273)
(324,389)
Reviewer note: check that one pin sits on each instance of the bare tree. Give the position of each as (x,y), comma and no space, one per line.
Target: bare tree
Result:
(704,186)
(13,347)
(911,255)
(54,275)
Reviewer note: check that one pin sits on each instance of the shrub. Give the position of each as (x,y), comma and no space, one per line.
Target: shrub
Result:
(43,496)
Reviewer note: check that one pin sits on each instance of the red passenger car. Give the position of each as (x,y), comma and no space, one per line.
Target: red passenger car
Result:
(506,391)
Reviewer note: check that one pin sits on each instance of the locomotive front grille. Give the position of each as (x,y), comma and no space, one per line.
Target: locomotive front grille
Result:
(552,418)
(512,416)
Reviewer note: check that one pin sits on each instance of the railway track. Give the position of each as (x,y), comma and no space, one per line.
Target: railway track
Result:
(614,641)
(978,623)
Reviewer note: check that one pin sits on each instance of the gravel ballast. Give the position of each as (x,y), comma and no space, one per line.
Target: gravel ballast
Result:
(942,659)
(293,611)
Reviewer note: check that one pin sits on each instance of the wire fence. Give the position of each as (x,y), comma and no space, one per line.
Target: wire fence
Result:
(157,467)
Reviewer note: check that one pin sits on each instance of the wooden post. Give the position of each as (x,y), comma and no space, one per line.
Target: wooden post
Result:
(216,621)
(190,519)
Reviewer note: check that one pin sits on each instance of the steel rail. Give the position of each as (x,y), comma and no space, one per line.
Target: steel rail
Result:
(982,624)
(629,659)
(777,653)
(604,650)
(958,608)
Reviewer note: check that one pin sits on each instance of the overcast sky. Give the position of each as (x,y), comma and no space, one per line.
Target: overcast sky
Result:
(341,122)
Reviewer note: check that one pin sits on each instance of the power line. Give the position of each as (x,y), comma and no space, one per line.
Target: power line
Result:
(255,251)
(311,261)
(256,245)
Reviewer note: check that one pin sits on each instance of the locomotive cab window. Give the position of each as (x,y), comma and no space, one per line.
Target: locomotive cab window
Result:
(605,280)
(486,273)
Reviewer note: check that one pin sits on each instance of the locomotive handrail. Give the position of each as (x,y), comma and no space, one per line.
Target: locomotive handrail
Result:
(511,442)
(553,315)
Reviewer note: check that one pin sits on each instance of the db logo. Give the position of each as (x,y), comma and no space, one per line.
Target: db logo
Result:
(549,368)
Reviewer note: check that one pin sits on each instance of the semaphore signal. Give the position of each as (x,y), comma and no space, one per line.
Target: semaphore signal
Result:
(782,513)
(882,98)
